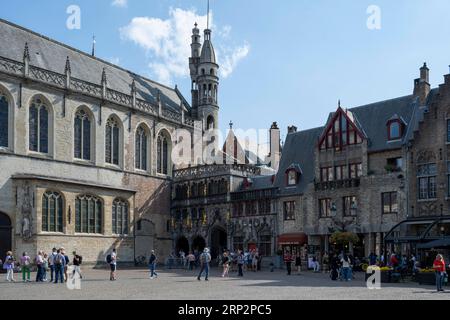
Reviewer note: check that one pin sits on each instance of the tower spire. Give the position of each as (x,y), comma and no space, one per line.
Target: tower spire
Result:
(93,45)
(207,17)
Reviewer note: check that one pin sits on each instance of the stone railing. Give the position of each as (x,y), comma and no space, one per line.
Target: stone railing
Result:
(209,170)
(76,85)
(340,184)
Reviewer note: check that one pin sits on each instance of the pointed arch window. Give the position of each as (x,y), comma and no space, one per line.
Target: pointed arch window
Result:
(52,212)
(141,149)
(163,155)
(88,214)
(120,221)
(38,126)
(112,141)
(82,135)
(4,121)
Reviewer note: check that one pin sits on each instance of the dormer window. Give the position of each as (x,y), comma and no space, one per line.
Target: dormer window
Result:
(395,130)
(293,174)
(292,178)
(395,127)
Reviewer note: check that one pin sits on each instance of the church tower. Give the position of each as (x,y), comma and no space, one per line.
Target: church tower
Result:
(205,80)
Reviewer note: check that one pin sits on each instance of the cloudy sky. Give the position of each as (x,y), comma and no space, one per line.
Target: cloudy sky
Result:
(287,61)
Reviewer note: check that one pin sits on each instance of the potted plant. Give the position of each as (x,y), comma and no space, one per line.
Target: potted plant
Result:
(426,276)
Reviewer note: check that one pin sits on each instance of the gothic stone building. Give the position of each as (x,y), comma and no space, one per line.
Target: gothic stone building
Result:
(229,205)
(85,147)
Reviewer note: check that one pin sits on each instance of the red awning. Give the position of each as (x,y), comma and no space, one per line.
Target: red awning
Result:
(293,238)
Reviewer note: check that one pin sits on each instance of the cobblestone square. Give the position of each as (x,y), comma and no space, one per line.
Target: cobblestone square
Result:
(183,285)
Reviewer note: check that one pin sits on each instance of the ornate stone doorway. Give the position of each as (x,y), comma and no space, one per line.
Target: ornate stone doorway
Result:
(218,241)
(5,235)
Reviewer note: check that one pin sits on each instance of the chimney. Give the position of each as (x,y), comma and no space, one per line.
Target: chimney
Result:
(275,148)
(422,85)
(292,129)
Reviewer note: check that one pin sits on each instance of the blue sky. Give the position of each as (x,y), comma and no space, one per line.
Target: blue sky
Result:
(287,61)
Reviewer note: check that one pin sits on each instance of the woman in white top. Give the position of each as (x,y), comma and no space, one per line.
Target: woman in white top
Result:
(345,262)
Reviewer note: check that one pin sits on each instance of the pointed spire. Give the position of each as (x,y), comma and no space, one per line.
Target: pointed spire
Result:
(207,17)
(26,61)
(26,53)
(104,84)
(133,93)
(67,69)
(339,103)
(93,45)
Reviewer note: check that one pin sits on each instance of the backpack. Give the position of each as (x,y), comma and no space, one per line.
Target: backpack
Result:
(80,259)
(58,259)
(108,258)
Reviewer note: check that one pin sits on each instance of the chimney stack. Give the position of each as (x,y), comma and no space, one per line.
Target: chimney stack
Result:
(422,85)
(275,147)
(292,129)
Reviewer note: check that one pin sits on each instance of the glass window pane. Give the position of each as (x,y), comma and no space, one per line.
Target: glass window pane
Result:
(99,217)
(108,141)
(77,137)
(43,130)
(33,128)
(116,145)
(45,213)
(86,139)
(4,121)
(60,214)
(78,215)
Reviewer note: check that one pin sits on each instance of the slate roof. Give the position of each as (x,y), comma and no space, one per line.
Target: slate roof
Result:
(51,55)
(259,183)
(371,119)
(298,149)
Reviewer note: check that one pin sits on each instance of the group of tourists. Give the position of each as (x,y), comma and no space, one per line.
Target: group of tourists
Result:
(56,263)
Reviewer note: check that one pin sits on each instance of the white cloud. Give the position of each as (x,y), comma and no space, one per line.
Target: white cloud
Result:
(167,42)
(120,3)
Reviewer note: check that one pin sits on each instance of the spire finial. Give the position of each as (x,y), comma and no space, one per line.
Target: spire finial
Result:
(93,45)
(26,53)
(67,68)
(231,125)
(207,17)
(339,103)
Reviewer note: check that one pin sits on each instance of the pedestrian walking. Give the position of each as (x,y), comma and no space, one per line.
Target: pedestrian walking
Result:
(25,263)
(298,263)
(44,267)
(59,263)
(77,261)
(8,265)
(288,261)
(205,259)
(152,265)
(191,260)
(39,260)
(240,263)
(51,264)
(440,270)
(346,272)
(334,273)
(66,263)
(225,264)
(111,259)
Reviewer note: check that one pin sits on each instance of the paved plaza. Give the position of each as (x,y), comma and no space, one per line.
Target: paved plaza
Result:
(183,285)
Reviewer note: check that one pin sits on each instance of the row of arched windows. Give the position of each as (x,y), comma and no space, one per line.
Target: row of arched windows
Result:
(89,214)
(39,125)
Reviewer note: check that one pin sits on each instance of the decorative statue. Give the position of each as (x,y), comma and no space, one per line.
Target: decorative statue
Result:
(27,214)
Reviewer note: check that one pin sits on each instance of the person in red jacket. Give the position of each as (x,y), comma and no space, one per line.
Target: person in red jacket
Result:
(439,267)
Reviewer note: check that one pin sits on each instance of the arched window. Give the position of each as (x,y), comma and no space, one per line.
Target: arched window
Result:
(82,135)
(52,212)
(38,124)
(163,154)
(141,149)
(4,121)
(88,214)
(395,130)
(120,217)
(211,72)
(112,142)
(210,123)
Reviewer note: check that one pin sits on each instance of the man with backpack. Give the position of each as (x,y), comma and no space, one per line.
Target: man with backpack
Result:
(51,263)
(111,259)
(205,259)
(59,262)
(152,265)
(77,260)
